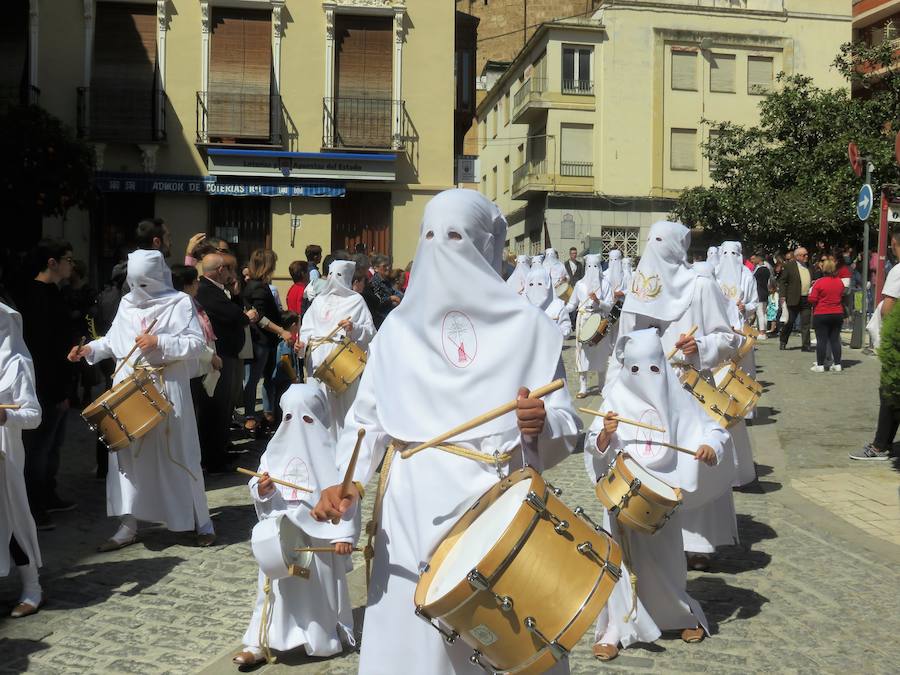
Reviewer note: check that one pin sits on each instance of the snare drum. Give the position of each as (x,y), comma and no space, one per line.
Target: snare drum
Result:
(128,411)
(737,384)
(520,577)
(718,405)
(746,348)
(592,329)
(342,367)
(563,290)
(274,541)
(637,498)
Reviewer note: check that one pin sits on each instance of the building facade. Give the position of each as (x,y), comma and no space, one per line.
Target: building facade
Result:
(267,122)
(597,125)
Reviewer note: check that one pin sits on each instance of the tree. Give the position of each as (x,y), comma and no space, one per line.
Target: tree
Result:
(44,170)
(788,180)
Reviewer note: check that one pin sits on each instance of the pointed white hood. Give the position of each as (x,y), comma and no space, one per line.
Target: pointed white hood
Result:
(519,276)
(538,289)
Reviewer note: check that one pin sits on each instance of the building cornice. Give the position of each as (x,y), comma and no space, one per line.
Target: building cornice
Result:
(649,5)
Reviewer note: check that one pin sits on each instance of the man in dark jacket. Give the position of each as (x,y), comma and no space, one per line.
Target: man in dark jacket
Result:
(793,287)
(228,320)
(48,334)
(574,268)
(379,295)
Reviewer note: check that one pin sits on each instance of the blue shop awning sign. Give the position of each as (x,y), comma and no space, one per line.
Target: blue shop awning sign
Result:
(211,185)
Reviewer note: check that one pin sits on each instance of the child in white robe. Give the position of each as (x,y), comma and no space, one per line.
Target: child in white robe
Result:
(18,536)
(648,390)
(592,295)
(518,278)
(313,612)
(539,293)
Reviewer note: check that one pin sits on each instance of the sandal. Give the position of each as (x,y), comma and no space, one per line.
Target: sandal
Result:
(247,658)
(604,652)
(693,635)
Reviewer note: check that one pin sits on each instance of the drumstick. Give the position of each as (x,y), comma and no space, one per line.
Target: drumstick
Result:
(320,549)
(128,355)
(499,411)
(351,468)
(334,332)
(248,472)
(687,335)
(10,406)
(623,420)
(679,449)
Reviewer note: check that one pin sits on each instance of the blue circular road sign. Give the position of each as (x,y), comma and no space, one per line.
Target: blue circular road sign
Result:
(864,202)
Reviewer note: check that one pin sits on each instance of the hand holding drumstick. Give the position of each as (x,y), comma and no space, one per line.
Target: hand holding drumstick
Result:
(337,500)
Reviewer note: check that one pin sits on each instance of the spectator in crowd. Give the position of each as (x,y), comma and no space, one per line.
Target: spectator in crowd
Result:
(761,274)
(299,271)
(228,320)
(772,309)
(48,334)
(360,281)
(80,298)
(313,258)
(265,333)
(288,362)
(379,296)
(398,282)
(826,297)
(153,235)
(201,245)
(794,288)
(574,268)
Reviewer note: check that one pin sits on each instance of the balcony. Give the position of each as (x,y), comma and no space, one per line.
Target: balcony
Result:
(238,118)
(363,123)
(578,87)
(538,176)
(529,102)
(122,114)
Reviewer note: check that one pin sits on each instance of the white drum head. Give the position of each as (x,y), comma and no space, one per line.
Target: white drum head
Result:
(589,326)
(479,538)
(650,480)
(273,542)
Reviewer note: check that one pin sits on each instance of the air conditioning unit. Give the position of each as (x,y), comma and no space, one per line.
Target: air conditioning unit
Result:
(466,170)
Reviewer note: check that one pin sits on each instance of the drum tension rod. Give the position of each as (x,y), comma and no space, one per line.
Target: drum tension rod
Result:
(559,652)
(476,660)
(539,505)
(115,418)
(480,583)
(579,511)
(587,549)
(450,637)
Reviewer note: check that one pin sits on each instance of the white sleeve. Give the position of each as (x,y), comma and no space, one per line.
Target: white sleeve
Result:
(891,286)
(564,322)
(561,428)
(363,329)
(23,392)
(189,343)
(362,414)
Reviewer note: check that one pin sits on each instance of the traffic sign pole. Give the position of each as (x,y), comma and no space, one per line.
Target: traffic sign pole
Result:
(856,339)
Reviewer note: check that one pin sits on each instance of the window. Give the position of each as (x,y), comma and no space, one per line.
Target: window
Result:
(465,82)
(494,183)
(483,185)
(576,75)
(506,174)
(623,238)
(520,154)
(506,109)
(760,73)
(576,150)
(493,117)
(684,150)
(721,73)
(482,131)
(684,70)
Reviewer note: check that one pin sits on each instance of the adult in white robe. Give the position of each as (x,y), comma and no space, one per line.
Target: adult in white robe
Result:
(448,353)
(337,305)
(627,272)
(592,295)
(537,260)
(18,537)
(712,256)
(614,275)
(539,292)
(157,478)
(648,390)
(518,278)
(314,612)
(557,270)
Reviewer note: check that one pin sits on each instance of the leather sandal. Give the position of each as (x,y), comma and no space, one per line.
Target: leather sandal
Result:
(581,394)
(693,635)
(698,562)
(24,609)
(113,545)
(205,540)
(247,658)
(605,652)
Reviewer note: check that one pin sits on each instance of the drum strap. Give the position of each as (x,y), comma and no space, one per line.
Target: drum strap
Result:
(626,556)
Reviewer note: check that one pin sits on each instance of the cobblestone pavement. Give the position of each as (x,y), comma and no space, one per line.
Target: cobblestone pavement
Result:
(809,590)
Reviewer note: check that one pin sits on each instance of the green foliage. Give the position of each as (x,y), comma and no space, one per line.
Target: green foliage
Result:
(44,169)
(787,180)
(889,354)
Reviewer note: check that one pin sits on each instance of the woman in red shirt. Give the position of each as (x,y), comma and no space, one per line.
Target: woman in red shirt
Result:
(826,297)
(299,271)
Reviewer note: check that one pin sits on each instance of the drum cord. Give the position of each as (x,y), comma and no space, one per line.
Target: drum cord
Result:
(632,575)
(265,619)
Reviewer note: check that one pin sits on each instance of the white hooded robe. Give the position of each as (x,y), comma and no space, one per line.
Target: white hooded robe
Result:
(591,357)
(539,293)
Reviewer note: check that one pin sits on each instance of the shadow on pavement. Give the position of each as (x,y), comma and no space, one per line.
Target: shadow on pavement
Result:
(723,603)
(752,531)
(298,657)
(16,652)
(737,559)
(765,415)
(849,363)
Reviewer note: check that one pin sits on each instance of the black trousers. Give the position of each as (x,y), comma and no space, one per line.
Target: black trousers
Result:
(793,311)
(888,423)
(828,333)
(42,456)
(214,414)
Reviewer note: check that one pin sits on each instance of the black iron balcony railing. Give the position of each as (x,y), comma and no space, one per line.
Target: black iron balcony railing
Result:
(363,123)
(533,85)
(578,87)
(122,113)
(238,117)
(22,95)
(576,169)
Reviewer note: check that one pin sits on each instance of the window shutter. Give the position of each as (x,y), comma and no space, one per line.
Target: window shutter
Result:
(684,150)
(240,68)
(684,71)
(577,150)
(721,73)
(759,74)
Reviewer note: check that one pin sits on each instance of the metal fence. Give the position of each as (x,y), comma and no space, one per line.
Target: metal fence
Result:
(533,85)
(122,113)
(578,87)
(576,169)
(362,122)
(224,117)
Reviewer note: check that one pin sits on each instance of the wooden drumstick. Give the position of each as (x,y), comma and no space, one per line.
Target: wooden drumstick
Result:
(10,406)
(351,468)
(320,549)
(248,472)
(499,411)
(133,349)
(623,420)
(334,332)
(687,335)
